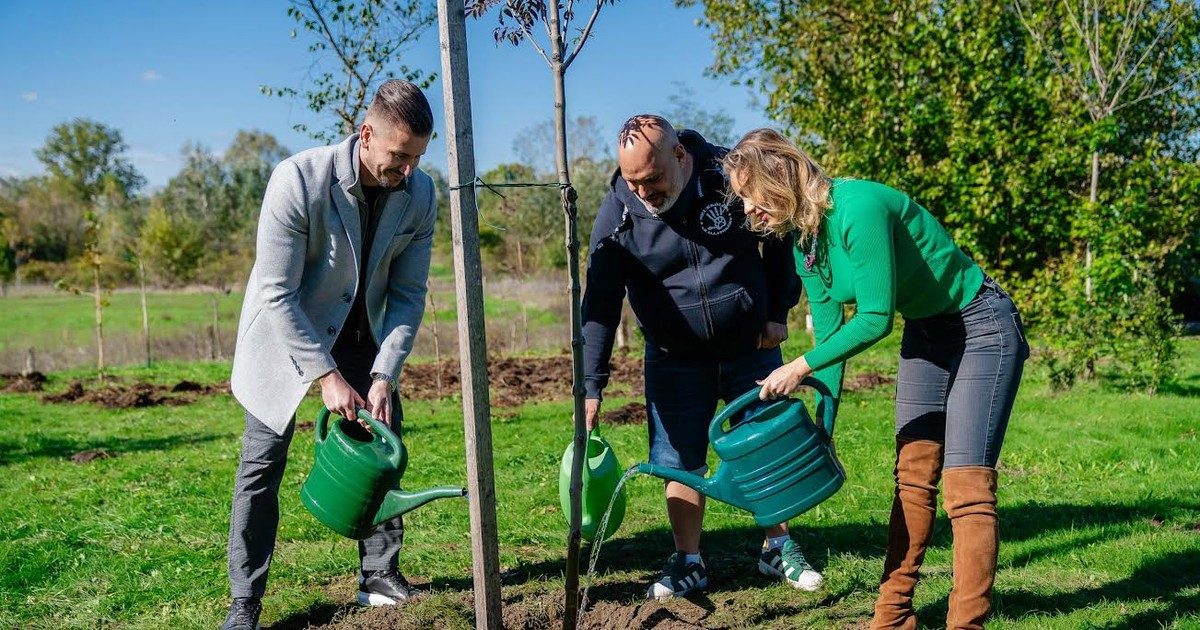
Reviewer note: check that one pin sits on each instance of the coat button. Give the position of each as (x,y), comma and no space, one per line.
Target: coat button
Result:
(331,330)
(346,297)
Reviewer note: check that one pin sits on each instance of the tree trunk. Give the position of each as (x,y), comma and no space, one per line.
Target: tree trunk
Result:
(570,614)
(1093,197)
(99,302)
(218,354)
(1089,368)
(145,313)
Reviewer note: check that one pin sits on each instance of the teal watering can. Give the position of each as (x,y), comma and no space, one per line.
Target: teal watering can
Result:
(355,481)
(601,473)
(775,464)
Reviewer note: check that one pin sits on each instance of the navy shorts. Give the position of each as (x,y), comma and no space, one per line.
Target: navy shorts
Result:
(681,400)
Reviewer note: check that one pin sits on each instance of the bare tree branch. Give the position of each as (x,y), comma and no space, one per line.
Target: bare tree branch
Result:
(587,31)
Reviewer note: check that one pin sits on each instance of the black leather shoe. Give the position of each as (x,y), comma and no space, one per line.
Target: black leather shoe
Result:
(243,614)
(384,588)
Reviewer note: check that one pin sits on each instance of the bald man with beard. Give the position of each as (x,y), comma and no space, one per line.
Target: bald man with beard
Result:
(695,275)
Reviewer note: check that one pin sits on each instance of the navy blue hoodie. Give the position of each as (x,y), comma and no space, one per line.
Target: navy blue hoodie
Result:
(695,275)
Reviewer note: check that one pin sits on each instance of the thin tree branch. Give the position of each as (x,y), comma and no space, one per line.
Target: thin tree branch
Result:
(532,42)
(333,40)
(587,31)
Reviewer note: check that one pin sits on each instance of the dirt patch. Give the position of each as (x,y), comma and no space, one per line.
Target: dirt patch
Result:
(141,394)
(525,611)
(633,413)
(514,380)
(15,383)
(83,457)
(866,380)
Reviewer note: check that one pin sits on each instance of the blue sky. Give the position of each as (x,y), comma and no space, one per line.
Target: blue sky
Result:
(165,72)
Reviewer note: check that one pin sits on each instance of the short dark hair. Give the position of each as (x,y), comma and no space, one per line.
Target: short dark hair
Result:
(403,102)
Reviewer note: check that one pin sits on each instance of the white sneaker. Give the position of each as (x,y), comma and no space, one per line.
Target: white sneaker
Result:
(679,577)
(788,562)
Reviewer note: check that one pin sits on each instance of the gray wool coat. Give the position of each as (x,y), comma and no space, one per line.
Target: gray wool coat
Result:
(305,277)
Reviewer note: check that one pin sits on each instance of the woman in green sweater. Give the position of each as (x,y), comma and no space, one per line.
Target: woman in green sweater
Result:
(864,243)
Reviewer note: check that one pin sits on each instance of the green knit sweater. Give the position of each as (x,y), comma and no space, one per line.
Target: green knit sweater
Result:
(882,251)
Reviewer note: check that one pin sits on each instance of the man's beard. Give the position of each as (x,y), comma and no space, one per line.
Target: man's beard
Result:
(666,204)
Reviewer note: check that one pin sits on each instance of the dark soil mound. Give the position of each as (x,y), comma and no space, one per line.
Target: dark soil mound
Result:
(14,383)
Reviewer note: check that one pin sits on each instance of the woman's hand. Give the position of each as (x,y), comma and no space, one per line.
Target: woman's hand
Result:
(784,380)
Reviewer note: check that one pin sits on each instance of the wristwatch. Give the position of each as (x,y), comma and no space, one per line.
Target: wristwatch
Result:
(380,376)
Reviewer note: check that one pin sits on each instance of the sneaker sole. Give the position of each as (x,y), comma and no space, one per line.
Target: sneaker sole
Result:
(701,585)
(375,599)
(770,571)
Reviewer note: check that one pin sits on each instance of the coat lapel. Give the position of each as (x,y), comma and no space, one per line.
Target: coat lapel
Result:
(346,170)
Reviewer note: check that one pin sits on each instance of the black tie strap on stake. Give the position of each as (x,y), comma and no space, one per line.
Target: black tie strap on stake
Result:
(567,191)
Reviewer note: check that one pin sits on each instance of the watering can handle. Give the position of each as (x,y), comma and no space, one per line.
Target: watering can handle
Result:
(381,430)
(715,431)
(827,403)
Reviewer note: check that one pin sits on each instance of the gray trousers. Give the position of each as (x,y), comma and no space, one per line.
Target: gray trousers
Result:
(255,514)
(958,377)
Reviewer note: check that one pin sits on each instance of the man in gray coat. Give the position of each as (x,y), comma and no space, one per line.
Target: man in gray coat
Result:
(336,296)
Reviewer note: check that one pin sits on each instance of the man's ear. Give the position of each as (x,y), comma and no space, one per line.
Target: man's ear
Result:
(364,134)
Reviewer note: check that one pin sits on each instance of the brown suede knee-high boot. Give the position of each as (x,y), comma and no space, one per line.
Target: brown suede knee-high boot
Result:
(970,502)
(918,466)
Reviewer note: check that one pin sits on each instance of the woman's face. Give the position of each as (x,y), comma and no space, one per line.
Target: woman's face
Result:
(754,208)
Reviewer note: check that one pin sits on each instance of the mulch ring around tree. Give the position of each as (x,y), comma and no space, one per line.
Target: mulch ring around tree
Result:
(142,394)
(15,383)
(521,609)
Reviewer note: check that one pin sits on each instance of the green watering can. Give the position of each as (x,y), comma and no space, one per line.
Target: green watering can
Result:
(776,463)
(355,481)
(601,473)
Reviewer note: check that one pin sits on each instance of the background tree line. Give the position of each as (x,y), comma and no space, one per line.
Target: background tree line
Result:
(1057,141)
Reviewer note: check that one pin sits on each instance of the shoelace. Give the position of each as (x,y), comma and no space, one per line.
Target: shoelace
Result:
(792,554)
(244,614)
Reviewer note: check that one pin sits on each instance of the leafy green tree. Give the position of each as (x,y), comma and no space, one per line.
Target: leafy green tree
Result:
(248,163)
(1110,57)
(990,113)
(84,156)
(356,45)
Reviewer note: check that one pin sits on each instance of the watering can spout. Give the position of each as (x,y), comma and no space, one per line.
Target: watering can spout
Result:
(397,502)
(707,487)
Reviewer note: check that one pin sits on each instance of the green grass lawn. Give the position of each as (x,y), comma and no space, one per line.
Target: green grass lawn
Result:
(65,318)
(52,322)
(1099,501)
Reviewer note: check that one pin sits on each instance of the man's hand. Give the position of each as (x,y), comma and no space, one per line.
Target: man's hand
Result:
(338,396)
(784,380)
(379,401)
(591,412)
(772,335)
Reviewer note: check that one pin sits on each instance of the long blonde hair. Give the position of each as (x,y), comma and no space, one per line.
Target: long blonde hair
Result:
(791,187)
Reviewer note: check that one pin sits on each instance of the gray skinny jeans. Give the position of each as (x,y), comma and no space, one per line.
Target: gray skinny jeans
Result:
(958,377)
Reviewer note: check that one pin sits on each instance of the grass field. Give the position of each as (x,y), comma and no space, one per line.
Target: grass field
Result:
(60,327)
(1099,502)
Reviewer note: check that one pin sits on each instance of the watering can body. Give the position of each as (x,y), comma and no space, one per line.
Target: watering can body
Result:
(601,474)
(355,481)
(776,464)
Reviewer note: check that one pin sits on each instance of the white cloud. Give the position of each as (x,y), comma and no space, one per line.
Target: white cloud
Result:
(29,97)
(151,75)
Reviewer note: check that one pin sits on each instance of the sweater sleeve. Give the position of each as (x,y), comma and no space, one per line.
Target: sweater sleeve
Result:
(867,234)
(602,298)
